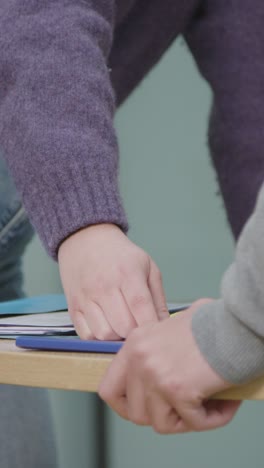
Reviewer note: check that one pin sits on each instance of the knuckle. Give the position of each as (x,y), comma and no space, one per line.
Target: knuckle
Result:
(135,337)
(156,271)
(124,324)
(163,310)
(104,334)
(125,329)
(139,300)
(159,429)
(137,419)
(139,255)
(150,367)
(140,352)
(104,393)
(100,285)
(85,289)
(139,348)
(83,334)
(170,385)
(73,303)
(195,425)
(124,271)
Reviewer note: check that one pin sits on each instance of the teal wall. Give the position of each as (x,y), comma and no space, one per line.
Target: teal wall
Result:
(169,191)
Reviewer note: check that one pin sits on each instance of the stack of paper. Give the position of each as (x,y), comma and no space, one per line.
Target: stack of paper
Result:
(39,315)
(55,323)
(42,315)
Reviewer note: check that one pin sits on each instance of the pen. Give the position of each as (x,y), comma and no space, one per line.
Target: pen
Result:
(174,310)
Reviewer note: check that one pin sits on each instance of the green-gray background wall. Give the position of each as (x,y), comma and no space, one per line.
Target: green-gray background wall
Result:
(169,190)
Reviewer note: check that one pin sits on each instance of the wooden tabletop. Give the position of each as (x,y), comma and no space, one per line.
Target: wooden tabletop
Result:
(77,371)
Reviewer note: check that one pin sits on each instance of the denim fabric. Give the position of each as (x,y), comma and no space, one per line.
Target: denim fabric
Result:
(15,233)
(26,432)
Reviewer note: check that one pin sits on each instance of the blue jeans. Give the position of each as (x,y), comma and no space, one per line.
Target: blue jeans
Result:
(26,433)
(15,233)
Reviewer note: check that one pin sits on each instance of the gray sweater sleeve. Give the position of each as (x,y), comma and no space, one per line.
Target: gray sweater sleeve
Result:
(230,331)
(56,113)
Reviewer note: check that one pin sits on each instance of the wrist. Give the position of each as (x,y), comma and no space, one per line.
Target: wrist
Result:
(93,230)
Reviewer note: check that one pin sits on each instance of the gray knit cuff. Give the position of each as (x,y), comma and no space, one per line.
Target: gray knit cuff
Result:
(71,199)
(228,346)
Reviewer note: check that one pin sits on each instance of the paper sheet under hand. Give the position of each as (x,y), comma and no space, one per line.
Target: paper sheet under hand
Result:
(40,324)
(51,323)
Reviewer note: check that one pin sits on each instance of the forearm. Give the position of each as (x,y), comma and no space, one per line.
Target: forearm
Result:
(56,113)
(230,332)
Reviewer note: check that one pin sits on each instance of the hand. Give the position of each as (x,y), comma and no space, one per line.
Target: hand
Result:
(160,379)
(111,285)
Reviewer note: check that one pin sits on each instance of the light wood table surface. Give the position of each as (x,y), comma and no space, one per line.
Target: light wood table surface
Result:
(77,371)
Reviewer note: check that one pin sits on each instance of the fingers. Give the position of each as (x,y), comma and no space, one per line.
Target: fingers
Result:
(153,410)
(116,382)
(112,388)
(157,292)
(205,416)
(136,409)
(147,382)
(120,407)
(163,418)
(113,315)
(117,313)
(113,312)
(110,281)
(81,326)
(139,300)
(109,316)
(97,322)
(220,412)
(129,394)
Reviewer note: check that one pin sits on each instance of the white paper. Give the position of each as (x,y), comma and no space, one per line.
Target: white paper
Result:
(48,323)
(36,324)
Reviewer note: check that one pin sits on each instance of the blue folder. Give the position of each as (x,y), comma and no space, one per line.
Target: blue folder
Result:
(71,343)
(34,305)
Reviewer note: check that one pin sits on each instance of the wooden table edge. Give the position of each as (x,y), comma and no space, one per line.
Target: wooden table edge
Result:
(79,371)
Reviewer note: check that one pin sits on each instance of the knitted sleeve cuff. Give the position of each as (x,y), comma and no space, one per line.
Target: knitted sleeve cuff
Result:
(71,198)
(229,347)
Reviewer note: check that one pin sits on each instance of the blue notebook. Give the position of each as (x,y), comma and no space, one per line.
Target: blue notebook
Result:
(34,305)
(71,343)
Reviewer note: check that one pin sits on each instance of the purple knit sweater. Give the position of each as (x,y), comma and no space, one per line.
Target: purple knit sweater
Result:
(66,64)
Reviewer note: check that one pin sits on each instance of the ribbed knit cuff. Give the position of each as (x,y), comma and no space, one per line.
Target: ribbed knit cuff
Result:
(228,346)
(70,199)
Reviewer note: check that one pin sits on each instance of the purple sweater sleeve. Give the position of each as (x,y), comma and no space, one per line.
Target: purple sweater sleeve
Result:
(227,42)
(56,113)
